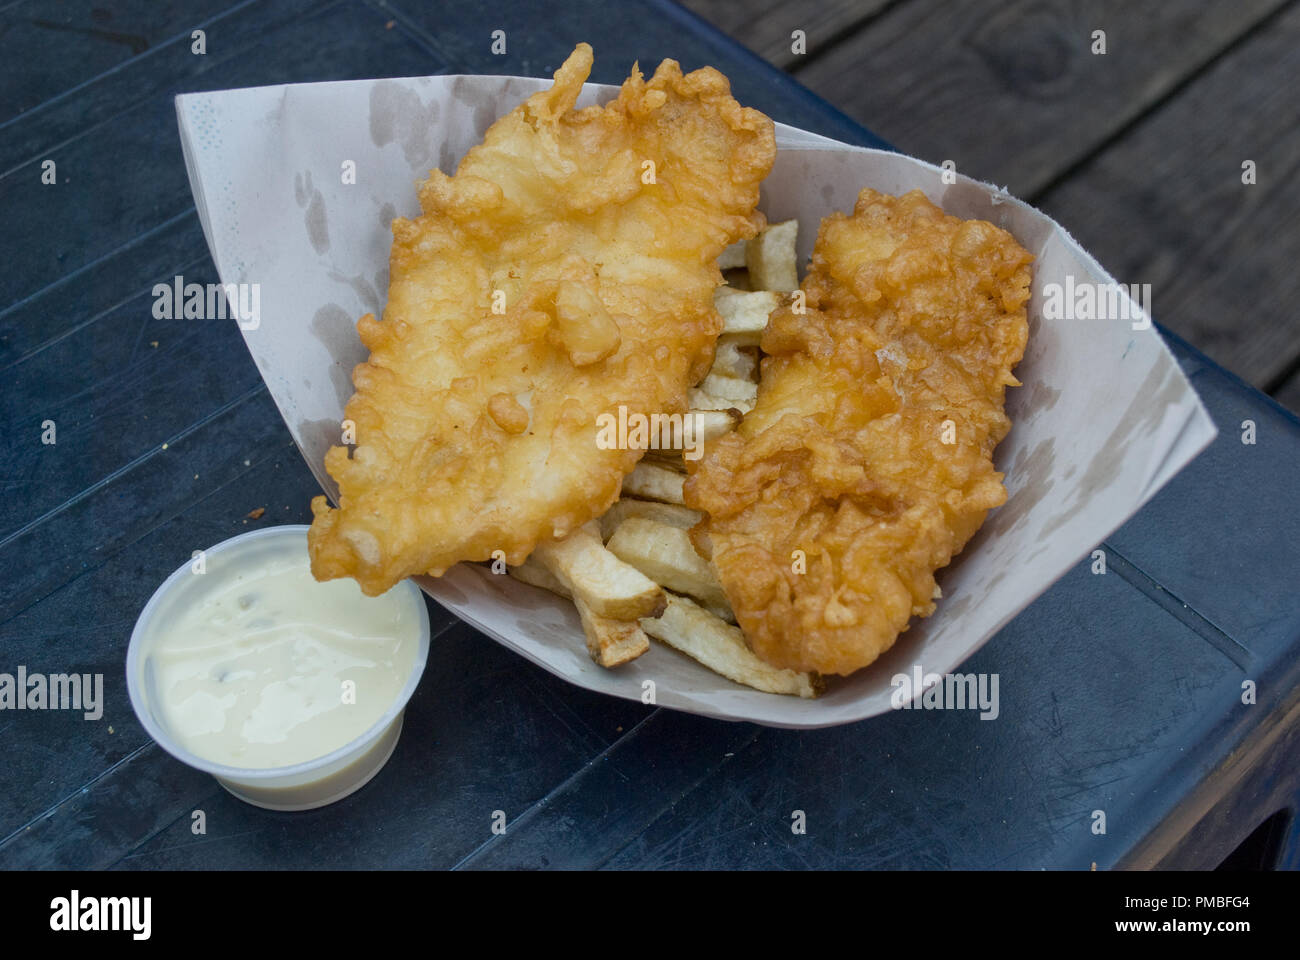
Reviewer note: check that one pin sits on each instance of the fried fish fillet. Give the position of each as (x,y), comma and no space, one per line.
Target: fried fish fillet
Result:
(868,457)
(566,269)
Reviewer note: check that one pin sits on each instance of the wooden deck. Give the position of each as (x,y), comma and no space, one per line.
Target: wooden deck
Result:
(1138,152)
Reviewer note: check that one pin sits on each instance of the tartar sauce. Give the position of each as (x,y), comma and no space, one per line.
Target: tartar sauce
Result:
(267,667)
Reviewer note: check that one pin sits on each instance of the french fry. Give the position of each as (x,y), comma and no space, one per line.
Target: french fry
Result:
(652,482)
(700,400)
(688,432)
(534,574)
(610,642)
(731,359)
(771,258)
(607,585)
(669,513)
(668,459)
(721,647)
(730,388)
(664,553)
(733,257)
(744,314)
(707,424)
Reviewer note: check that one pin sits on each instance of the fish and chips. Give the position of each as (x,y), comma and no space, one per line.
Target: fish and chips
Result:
(833,441)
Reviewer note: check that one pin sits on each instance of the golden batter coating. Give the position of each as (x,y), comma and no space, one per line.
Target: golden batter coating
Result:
(869,452)
(594,234)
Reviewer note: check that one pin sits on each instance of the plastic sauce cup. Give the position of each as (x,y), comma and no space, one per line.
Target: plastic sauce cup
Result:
(299,786)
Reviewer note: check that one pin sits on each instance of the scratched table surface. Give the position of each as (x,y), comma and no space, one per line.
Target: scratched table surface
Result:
(1120,693)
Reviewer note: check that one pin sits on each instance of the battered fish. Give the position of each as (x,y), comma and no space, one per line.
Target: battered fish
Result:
(867,462)
(566,269)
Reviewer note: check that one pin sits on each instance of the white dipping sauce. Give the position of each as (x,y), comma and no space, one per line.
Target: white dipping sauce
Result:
(267,667)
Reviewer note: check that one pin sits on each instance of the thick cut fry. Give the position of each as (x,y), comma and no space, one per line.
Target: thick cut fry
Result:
(699,426)
(729,388)
(712,424)
(535,574)
(610,642)
(652,482)
(548,282)
(704,426)
(665,554)
(733,257)
(721,647)
(610,587)
(733,360)
(744,314)
(669,513)
(771,258)
(670,459)
(700,400)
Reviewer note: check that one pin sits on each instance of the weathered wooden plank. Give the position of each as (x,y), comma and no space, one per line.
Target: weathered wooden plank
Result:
(169,68)
(646,33)
(120,386)
(614,798)
(1011,92)
(1165,205)
(127,176)
(73,301)
(767,27)
(40,558)
(50,48)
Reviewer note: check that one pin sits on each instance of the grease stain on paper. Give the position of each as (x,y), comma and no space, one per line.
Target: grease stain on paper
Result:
(334,328)
(313,201)
(398,115)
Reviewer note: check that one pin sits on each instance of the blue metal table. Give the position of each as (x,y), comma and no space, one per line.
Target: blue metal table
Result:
(1120,692)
